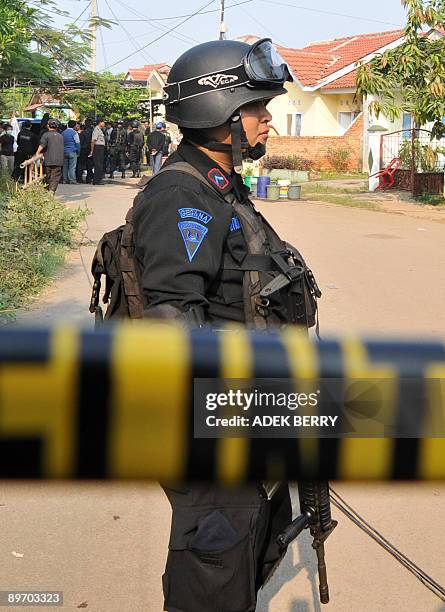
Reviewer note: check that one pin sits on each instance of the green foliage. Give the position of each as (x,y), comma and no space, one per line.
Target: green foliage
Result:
(32,48)
(411,77)
(286,162)
(426,156)
(111,101)
(35,232)
(339,159)
(432,200)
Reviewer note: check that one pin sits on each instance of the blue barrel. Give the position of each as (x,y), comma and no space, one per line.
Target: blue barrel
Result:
(262,183)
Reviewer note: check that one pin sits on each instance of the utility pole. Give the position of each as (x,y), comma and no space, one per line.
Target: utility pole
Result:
(222,25)
(93,35)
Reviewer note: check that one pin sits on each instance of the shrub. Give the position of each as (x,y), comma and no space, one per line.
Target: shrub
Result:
(35,232)
(339,159)
(286,162)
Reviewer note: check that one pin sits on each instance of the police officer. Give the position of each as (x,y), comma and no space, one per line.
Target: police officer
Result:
(195,233)
(120,147)
(135,141)
(27,143)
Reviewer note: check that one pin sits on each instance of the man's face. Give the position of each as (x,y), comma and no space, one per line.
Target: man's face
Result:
(255,118)
(101,124)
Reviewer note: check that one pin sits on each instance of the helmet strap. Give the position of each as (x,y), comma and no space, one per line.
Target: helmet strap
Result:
(239,142)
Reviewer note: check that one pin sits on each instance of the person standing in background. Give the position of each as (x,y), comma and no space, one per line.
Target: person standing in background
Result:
(7,150)
(85,162)
(71,145)
(44,125)
(155,144)
(147,130)
(97,152)
(111,149)
(27,144)
(120,149)
(52,147)
(135,145)
(167,143)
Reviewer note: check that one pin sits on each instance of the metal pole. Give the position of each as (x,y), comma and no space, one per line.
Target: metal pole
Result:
(222,25)
(93,35)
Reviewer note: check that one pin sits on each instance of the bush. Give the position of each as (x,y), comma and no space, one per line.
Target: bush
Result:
(339,159)
(35,232)
(286,162)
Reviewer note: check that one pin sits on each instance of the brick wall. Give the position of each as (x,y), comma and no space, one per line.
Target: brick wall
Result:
(315,148)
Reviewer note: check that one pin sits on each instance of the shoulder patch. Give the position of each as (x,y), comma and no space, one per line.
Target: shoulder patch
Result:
(193,235)
(235,224)
(195,213)
(218,178)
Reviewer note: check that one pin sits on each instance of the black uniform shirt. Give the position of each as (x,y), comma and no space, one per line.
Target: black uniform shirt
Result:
(183,230)
(27,142)
(156,141)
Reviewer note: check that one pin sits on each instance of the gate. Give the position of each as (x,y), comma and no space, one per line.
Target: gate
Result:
(422,160)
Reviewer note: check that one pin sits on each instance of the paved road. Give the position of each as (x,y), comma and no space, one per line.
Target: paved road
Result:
(105,545)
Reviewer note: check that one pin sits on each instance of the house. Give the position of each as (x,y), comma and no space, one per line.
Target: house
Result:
(153,77)
(42,103)
(321,111)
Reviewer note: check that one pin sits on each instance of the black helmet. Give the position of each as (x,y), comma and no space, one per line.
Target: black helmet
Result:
(209,84)
(211,81)
(135,123)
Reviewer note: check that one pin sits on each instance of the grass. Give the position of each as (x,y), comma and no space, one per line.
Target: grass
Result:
(327,175)
(36,231)
(320,188)
(338,195)
(342,200)
(432,200)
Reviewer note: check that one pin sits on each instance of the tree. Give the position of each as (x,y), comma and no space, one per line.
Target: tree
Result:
(31,48)
(411,77)
(110,100)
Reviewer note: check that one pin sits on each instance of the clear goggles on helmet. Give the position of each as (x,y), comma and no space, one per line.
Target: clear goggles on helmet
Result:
(262,66)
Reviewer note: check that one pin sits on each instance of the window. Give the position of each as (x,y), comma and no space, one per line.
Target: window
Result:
(406,125)
(345,120)
(294,124)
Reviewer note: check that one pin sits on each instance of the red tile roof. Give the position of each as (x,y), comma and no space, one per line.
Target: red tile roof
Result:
(343,82)
(142,74)
(321,59)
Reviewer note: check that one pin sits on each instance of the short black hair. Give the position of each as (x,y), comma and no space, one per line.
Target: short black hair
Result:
(26,124)
(71,123)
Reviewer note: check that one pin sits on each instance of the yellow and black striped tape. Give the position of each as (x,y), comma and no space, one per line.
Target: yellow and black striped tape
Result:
(118,404)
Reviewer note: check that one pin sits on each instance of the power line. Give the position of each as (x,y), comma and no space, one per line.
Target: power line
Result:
(84,11)
(313,10)
(190,14)
(102,37)
(265,28)
(161,27)
(162,35)
(119,42)
(130,39)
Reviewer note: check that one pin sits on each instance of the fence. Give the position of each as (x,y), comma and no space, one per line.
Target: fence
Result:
(33,168)
(422,160)
(118,403)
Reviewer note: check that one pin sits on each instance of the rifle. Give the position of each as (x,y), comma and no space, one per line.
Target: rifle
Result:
(315,507)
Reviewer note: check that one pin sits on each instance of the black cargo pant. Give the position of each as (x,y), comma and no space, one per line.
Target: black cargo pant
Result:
(222,546)
(98,160)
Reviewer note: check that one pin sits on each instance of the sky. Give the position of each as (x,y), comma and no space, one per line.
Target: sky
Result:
(292,23)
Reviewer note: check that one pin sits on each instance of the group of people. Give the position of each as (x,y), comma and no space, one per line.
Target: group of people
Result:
(95,148)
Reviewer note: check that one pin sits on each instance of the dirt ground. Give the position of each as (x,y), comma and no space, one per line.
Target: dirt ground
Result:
(104,545)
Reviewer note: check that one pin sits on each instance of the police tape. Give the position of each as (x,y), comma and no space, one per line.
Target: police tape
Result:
(118,403)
